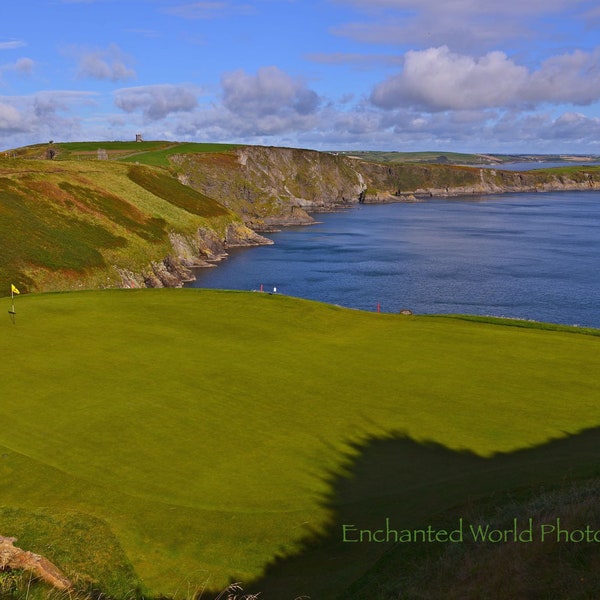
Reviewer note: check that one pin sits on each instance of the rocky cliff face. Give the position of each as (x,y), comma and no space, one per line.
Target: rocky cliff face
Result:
(408,182)
(204,249)
(274,187)
(271,187)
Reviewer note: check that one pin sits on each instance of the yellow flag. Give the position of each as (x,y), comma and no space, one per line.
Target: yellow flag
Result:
(13,289)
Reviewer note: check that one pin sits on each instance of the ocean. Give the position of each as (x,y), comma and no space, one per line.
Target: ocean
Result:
(528,256)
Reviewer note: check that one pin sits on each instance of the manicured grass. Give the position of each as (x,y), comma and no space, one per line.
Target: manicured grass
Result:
(204,429)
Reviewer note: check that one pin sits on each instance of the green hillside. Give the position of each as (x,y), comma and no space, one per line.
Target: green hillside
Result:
(153,153)
(68,224)
(203,436)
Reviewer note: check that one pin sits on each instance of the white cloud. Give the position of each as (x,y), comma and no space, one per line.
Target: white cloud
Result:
(109,64)
(254,108)
(12,45)
(11,120)
(24,66)
(573,78)
(465,7)
(40,116)
(157,101)
(441,80)
(468,131)
(271,92)
(437,80)
(54,101)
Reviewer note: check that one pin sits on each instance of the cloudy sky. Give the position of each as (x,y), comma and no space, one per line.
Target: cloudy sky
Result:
(464,75)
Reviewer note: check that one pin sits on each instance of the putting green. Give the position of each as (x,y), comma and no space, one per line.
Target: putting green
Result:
(203,427)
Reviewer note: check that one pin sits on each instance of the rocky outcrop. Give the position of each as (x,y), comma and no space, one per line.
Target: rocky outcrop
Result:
(14,558)
(204,249)
(273,187)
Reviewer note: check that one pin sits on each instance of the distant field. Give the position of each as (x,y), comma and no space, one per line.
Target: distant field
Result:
(460,158)
(423,157)
(197,435)
(153,153)
(147,153)
(569,171)
(160,157)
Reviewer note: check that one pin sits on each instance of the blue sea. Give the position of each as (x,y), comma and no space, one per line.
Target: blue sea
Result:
(528,256)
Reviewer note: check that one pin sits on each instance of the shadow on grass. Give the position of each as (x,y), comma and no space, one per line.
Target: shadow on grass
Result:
(414,485)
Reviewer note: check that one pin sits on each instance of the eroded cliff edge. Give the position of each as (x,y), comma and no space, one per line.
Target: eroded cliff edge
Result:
(270,187)
(96,224)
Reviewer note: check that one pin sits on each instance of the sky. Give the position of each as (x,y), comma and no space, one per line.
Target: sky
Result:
(508,76)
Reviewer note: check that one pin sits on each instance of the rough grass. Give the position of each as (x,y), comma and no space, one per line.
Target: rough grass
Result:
(170,189)
(66,224)
(160,157)
(203,428)
(551,568)
(153,153)
(83,547)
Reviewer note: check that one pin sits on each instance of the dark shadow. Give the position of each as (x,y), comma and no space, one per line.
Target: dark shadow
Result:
(413,484)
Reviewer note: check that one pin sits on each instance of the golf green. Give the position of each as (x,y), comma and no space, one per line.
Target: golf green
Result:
(201,429)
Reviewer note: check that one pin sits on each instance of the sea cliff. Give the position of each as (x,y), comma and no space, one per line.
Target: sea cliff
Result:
(273,187)
(74,224)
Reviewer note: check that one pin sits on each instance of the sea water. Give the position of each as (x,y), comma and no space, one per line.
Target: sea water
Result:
(529,256)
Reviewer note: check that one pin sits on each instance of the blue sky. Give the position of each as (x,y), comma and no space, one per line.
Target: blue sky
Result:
(463,75)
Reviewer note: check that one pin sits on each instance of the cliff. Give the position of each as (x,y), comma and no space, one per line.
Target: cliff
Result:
(402,181)
(271,187)
(73,225)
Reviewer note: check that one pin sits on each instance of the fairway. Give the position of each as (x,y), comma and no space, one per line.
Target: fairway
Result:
(201,430)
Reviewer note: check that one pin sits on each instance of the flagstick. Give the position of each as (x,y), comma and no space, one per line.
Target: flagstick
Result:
(12,311)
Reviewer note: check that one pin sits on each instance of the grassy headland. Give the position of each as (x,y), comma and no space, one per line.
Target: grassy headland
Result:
(72,224)
(208,435)
(462,158)
(154,153)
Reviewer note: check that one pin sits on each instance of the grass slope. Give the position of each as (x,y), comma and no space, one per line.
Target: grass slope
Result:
(66,223)
(203,429)
(154,153)
(160,158)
